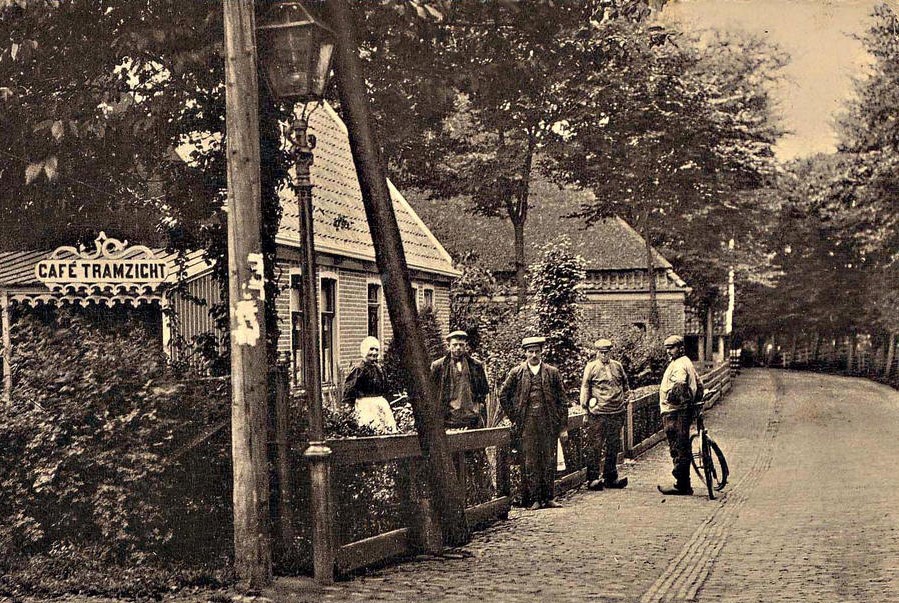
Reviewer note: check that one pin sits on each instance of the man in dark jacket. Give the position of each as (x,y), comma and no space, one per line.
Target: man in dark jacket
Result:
(534,400)
(461,383)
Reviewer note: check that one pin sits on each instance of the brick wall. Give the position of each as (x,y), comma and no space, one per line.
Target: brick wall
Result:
(604,314)
(352,310)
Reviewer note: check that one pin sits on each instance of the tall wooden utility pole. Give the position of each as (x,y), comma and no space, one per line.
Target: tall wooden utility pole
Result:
(252,544)
(447,497)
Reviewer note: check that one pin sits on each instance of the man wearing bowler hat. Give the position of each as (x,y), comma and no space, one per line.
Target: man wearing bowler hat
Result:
(604,392)
(534,400)
(461,383)
(678,392)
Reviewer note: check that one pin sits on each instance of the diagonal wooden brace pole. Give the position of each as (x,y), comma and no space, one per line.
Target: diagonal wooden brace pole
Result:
(447,498)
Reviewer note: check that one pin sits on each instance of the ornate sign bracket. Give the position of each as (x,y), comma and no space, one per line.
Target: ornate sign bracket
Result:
(110,273)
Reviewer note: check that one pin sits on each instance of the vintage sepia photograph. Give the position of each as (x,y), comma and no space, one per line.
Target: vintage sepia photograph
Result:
(449,300)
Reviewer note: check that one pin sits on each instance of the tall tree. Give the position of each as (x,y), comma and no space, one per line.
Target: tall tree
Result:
(862,202)
(499,74)
(674,149)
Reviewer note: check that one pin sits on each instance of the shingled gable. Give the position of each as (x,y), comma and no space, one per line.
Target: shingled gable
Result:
(341,227)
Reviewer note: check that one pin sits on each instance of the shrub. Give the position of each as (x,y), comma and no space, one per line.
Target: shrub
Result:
(472,305)
(398,378)
(556,278)
(95,421)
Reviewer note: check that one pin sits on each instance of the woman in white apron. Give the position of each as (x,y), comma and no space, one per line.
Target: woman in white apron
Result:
(365,388)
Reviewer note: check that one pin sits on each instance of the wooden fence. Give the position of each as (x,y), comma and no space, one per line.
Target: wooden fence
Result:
(476,453)
(856,354)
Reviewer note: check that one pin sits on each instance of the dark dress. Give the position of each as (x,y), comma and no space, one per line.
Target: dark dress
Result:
(365,379)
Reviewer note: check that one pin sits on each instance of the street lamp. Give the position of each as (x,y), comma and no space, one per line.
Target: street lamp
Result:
(295,55)
(295,51)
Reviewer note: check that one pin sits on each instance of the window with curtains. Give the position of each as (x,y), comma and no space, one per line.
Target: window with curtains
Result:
(328,324)
(428,303)
(374,310)
(296,328)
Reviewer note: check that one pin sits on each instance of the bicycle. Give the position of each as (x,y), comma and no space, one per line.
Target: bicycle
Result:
(707,459)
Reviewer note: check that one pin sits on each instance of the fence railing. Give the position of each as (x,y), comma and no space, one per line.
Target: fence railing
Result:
(469,448)
(641,431)
(483,461)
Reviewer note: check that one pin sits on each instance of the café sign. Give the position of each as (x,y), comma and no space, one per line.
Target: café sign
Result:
(112,266)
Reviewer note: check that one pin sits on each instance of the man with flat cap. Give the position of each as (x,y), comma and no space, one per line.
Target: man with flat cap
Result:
(604,393)
(461,383)
(534,400)
(679,390)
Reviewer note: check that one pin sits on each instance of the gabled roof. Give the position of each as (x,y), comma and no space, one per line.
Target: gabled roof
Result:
(341,227)
(610,244)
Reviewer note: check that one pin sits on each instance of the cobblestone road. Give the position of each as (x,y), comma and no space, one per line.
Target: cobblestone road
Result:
(812,515)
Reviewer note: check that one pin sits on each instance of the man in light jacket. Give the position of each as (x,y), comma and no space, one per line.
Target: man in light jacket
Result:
(677,395)
(604,393)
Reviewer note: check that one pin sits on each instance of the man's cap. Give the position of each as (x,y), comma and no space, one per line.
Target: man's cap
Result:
(532,341)
(457,335)
(673,340)
(603,344)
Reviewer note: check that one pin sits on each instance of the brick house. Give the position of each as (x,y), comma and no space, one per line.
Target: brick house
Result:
(351,297)
(616,288)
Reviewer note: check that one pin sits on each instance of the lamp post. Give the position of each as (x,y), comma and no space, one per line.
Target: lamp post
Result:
(295,56)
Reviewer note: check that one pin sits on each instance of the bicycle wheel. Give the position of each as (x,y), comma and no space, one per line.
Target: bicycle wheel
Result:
(719,465)
(696,455)
(701,459)
(708,467)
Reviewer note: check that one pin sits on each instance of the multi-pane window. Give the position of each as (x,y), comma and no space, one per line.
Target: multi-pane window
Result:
(374,310)
(296,328)
(329,338)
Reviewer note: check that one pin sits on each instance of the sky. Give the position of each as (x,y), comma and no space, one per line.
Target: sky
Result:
(817,34)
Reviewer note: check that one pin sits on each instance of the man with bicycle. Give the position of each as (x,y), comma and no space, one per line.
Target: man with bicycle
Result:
(678,392)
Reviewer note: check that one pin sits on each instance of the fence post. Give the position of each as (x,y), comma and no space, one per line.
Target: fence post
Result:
(503,483)
(629,442)
(459,463)
(323,550)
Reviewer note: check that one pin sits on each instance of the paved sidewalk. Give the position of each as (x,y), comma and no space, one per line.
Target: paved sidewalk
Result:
(811,515)
(602,546)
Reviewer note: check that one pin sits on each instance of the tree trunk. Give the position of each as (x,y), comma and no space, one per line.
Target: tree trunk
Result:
(793,345)
(709,333)
(850,353)
(891,356)
(518,213)
(520,267)
(653,318)
(448,499)
(816,348)
(252,546)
